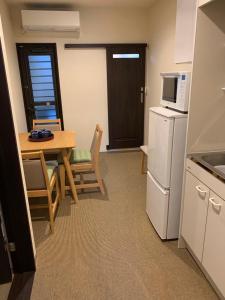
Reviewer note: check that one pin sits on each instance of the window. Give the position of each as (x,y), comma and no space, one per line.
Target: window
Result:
(43,89)
(126,55)
(39,75)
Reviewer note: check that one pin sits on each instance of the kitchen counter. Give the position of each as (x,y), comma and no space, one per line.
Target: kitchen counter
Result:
(213,162)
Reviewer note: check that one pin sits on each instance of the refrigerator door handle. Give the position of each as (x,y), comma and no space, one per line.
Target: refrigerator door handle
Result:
(165,192)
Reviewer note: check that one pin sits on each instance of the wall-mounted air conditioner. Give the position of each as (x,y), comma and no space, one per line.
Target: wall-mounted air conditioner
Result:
(46,20)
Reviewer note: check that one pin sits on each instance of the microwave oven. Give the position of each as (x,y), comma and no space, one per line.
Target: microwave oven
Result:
(175,90)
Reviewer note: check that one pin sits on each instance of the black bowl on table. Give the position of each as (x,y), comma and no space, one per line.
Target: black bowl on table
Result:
(41,135)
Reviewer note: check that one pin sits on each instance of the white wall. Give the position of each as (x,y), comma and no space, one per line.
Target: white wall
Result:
(207,107)
(156,26)
(84,93)
(83,72)
(162,28)
(13,69)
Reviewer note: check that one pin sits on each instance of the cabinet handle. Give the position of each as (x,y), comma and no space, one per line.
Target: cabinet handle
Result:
(217,205)
(198,188)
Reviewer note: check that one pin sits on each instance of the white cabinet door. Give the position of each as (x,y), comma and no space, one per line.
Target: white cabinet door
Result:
(195,214)
(160,147)
(214,248)
(185,30)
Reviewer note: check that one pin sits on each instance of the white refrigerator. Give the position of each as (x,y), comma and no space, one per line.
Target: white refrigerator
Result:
(166,151)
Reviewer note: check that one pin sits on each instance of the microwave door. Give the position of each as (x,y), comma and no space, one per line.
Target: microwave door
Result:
(170,89)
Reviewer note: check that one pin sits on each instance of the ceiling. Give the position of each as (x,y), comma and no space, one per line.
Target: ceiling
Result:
(84,3)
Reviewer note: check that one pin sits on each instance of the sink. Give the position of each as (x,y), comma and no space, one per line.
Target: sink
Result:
(214,159)
(221,168)
(214,162)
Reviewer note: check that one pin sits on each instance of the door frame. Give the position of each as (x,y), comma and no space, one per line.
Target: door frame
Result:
(26,78)
(12,197)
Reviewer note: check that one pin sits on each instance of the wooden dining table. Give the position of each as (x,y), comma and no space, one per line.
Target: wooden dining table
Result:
(62,142)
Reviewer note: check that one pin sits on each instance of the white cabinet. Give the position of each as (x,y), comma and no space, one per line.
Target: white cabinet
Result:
(203,223)
(214,247)
(195,214)
(185,30)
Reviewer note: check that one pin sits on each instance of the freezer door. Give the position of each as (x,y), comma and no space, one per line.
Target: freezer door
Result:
(157,206)
(160,145)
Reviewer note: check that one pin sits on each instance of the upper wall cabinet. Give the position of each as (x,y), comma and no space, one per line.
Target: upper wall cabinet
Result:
(185,30)
(204,2)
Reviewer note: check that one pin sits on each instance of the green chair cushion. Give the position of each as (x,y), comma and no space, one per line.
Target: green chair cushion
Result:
(50,170)
(78,156)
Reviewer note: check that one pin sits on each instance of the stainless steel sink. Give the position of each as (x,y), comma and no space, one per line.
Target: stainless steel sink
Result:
(214,162)
(214,159)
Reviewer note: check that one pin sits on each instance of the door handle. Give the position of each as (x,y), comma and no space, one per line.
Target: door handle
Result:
(142,94)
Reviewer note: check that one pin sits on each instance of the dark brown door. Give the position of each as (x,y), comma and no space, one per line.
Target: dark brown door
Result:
(40,81)
(12,196)
(126,95)
(5,270)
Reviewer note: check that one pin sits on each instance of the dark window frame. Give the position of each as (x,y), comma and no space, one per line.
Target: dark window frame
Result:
(38,48)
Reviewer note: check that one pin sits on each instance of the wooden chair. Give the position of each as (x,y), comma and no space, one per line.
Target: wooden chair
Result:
(54,124)
(50,124)
(41,179)
(85,162)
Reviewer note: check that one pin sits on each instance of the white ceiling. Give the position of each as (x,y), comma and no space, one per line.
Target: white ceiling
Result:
(84,3)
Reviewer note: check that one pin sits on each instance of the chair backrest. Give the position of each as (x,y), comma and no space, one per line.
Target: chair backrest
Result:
(35,170)
(96,143)
(54,124)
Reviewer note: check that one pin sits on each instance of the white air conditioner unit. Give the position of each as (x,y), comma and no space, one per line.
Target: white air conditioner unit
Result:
(46,20)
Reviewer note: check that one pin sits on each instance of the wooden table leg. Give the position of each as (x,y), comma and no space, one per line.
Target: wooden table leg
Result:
(65,155)
(62,173)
